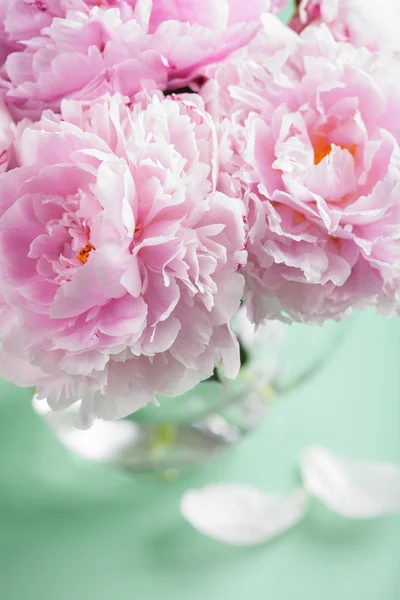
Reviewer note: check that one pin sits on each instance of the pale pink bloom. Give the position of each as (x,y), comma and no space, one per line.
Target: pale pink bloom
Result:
(118,257)
(309,136)
(193,34)
(81,49)
(83,56)
(24,19)
(21,20)
(214,14)
(371,23)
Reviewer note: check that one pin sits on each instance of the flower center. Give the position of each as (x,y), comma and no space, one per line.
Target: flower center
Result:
(83,255)
(322,148)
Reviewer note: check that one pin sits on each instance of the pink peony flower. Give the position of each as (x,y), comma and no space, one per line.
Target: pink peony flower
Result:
(82,49)
(21,20)
(214,14)
(192,35)
(309,136)
(24,19)
(369,23)
(83,56)
(118,257)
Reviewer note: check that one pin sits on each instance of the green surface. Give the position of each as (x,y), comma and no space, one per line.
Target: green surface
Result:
(74,530)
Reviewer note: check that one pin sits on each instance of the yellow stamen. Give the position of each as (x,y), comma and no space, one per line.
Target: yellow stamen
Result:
(322,148)
(299,218)
(83,255)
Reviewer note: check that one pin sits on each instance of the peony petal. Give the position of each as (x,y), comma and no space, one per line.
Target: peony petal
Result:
(116,193)
(241,515)
(82,293)
(356,489)
(131,279)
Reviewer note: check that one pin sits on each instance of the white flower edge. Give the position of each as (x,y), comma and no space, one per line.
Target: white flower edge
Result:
(241,515)
(352,488)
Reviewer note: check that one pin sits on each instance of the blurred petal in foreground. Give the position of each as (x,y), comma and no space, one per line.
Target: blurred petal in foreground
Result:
(354,489)
(241,515)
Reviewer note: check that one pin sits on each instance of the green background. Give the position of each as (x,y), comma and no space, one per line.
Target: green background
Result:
(74,530)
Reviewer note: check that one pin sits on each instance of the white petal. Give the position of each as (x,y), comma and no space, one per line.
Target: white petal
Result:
(241,515)
(357,489)
(116,193)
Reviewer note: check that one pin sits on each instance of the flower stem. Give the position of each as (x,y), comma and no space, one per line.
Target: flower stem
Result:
(164,438)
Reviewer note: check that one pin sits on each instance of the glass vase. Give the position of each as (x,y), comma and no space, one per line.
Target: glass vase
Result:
(215,415)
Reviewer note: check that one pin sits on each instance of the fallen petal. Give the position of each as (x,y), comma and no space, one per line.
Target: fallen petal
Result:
(241,515)
(356,489)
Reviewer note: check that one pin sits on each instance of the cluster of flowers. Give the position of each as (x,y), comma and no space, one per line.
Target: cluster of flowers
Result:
(162,160)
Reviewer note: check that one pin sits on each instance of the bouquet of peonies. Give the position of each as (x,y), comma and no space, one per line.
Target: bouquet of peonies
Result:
(163,161)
